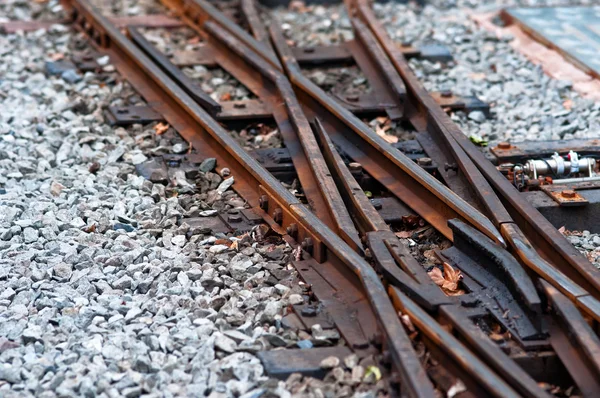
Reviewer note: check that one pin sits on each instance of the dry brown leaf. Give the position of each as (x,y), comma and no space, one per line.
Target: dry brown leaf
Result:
(448,280)
(404,234)
(496,336)
(431,256)
(568,104)
(452,276)
(412,221)
(437,276)
(226,97)
(392,139)
(161,128)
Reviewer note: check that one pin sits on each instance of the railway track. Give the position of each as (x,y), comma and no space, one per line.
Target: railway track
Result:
(529,310)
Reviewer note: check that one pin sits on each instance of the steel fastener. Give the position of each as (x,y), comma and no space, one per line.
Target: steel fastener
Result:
(263,202)
(424,161)
(307,244)
(234,218)
(292,230)
(568,193)
(278,215)
(354,166)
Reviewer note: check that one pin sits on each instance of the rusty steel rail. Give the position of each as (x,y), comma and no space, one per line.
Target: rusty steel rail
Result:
(265,194)
(400,175)
(550,254)
(426,195)
(197,10)
(340,209)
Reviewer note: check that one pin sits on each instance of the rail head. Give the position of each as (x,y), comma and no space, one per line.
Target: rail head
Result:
(266,193)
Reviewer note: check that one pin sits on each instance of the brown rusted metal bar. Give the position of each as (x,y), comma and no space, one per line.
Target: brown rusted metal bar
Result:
(147,21)
(578,329)
(262,82)
(427,196)
(412,279)
(253,182)
(372,46)
(574,342)
(489,351)
(342,223)
(387,251)
(480,185)
(196,12)
(561,253)
(438,203)
(190,86)
(250,13)
(480,374)
(367,217)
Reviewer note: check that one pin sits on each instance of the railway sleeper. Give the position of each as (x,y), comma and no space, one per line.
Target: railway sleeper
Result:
(324,256)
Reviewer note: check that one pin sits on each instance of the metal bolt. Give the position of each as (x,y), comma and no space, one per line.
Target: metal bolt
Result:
(395,378)
(263,202)
(446,94)
(376,204)
(424,161)
(292,230)
(354,166)
(239,106)
(406,43)
(504,145)
(234,218)
(278,215)
(309,50)
(352,98)
(450,166)
(386,357)
(568,193)
(307,244)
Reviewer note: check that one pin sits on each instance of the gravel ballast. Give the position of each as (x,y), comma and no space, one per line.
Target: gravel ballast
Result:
(525,103)
(105,292)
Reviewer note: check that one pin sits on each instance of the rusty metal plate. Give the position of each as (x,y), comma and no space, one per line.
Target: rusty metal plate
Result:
(128,115)
(244,110)
(453,102)
(573,31)
(86,61)
(346,305)
(282,363)
(564,196)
